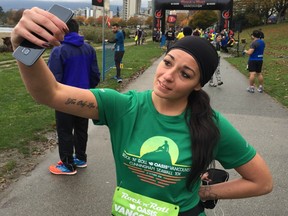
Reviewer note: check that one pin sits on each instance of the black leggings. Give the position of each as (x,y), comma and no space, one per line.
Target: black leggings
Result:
(72,135)
(118,59)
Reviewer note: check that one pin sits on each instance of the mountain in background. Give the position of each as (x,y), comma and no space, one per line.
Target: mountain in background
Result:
(18,4)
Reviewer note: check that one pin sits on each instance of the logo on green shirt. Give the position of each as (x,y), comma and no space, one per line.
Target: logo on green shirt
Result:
(156,163)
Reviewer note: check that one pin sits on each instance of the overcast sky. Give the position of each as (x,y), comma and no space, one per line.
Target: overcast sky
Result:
(113,2)
(45,4)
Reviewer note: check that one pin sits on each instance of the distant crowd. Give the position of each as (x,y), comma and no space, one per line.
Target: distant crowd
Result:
(172,35)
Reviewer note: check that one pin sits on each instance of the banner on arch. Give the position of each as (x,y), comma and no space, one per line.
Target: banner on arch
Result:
(98,3)
(171,18)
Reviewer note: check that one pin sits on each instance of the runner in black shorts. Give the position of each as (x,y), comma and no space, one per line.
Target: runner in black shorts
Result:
(255,66)
(255,62)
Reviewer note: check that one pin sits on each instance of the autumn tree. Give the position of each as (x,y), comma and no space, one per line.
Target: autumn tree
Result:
(133,21)
(185,22)
(122,22)
(182,19)
(252,12)
(99,20)
(80,19)
(149,21)
(91,21)
(203,19)
(115,20)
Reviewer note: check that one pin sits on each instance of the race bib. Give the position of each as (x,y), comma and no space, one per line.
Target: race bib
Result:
(127,203)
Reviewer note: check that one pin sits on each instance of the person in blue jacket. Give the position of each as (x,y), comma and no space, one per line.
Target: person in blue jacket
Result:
(74,63)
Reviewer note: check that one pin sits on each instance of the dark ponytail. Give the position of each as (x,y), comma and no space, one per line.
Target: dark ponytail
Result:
(204,133)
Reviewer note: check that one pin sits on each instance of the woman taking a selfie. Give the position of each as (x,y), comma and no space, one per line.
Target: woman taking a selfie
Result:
(164,139)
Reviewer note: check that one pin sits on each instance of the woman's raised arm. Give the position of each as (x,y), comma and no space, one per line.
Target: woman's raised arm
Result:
(37,78)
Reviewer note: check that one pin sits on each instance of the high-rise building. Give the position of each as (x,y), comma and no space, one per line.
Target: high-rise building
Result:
(131,8)
(150,8)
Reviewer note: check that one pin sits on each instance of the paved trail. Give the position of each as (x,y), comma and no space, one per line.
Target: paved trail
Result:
(261,120)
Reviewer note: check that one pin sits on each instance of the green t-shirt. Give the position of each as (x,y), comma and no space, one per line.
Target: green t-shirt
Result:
(152,151)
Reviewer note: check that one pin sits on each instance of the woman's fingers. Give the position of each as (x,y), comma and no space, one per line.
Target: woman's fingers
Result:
(52,23)
(37,22)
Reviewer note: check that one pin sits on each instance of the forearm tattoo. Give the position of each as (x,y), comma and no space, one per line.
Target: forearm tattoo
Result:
(206,193)
(81,103)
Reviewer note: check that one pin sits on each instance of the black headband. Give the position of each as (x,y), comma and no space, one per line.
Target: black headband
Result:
(203,52)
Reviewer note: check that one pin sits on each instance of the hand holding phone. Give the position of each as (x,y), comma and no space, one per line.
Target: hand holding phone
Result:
(27,52)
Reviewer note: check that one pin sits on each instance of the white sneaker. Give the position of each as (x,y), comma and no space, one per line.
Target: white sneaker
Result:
(212,84)
(260,89)
(251,89)
(119,80)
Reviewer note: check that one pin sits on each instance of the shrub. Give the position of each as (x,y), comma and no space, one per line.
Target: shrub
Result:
(94,34)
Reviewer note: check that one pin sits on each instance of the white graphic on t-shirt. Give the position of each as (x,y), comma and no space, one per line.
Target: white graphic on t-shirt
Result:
(156,163)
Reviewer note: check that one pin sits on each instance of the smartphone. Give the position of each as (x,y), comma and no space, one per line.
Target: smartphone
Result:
(27,52)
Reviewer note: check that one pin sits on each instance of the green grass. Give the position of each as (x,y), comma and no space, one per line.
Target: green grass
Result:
(23,120)
(275,67)
(6,56)
(20,116)
(136,59)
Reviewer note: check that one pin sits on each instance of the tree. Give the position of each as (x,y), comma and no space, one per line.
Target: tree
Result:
(180,18)
(281,7)
(266,9)
(91,21)
(133,21)
(118,20)
(13,16)
(261,10)
(99,21)
(184,22)
(17,16)
(115,20)
(149,21)
(80,19)
(203,19)
(253,19)
(240,6)
(2,15)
